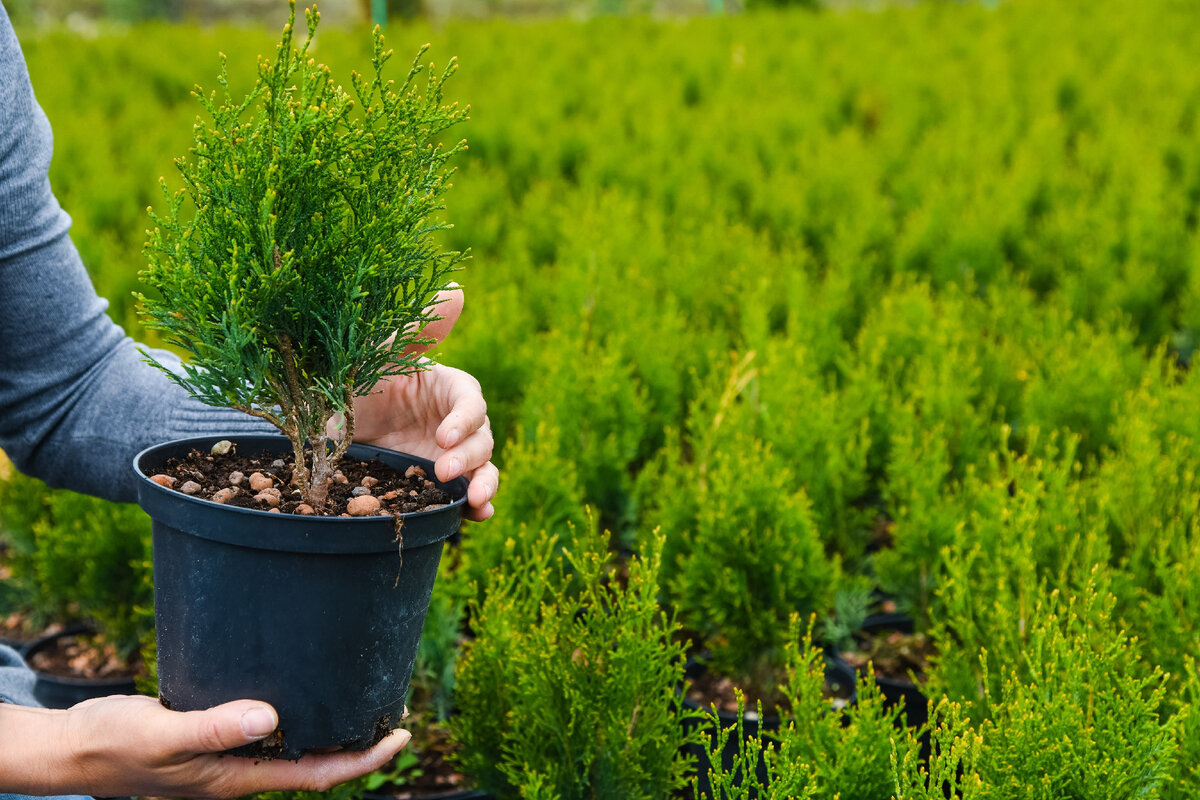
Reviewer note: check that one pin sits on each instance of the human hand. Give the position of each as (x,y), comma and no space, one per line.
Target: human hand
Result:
(439,414)
(131,745)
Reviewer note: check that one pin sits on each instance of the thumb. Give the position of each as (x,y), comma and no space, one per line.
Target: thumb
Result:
(223,727)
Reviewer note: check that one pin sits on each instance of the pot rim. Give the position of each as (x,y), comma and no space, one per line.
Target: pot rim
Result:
(248,527)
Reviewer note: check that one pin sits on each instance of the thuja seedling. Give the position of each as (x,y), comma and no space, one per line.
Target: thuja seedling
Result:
(299,261)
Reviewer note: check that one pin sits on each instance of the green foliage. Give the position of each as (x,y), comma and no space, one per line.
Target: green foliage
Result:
(568,688)
(1187,726)
(744,549)
(74,556)
(437,651)
(297,263)
(1078,716)
(950,768)
(820,751)
(965,265)
(786,779)
(541,494)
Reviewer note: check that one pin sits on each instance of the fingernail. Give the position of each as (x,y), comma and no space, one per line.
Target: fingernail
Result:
(258,722)
(405,737)
(452,437)
(455,467)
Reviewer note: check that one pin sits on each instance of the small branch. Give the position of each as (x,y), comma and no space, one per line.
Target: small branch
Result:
(261,414)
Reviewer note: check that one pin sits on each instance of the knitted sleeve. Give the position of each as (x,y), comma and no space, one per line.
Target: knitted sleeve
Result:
(77,402)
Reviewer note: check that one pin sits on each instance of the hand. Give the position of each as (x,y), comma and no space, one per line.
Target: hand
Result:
(133,746)
(439,414)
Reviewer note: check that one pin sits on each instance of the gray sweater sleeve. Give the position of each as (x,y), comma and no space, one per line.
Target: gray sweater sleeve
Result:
(77,401)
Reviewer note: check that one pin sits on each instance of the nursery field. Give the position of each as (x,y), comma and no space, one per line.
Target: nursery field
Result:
(806,336)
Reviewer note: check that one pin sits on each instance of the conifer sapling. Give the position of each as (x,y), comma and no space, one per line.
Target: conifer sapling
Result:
(299,261)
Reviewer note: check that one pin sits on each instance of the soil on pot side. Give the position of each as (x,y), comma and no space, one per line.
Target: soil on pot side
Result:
(83,657)
(265,484)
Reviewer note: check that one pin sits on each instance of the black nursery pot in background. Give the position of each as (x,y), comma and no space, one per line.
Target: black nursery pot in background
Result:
(318,616)
(64,691)
(840,679)
(897,689)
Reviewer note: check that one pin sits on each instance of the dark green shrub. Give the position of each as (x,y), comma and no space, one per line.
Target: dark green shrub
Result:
(1077,716)
(567,690)
(74,556)
(821,750)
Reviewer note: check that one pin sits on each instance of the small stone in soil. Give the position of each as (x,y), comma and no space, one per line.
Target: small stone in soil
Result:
(278,463)
(370,482)
(258,482)
(414,470)
(189,487)
(392,495)
(362,506)
(225,495)
(269,499)
(236,478)
(221,448)
(359,491)
(163,480)
(338,477)
(305,509)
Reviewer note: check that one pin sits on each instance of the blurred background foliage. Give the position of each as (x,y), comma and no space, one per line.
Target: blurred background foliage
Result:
(907,297)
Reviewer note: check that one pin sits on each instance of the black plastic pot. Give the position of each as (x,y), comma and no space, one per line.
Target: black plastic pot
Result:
(837,673)
(60,691)
(318,616)
(916,704)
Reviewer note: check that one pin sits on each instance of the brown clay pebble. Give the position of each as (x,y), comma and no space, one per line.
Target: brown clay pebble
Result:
(392,495)
(338,477)
(164,480)
(189,487)
(225,495)
(370,482)
(236,478)
(305,509)
(258,482)
(362,506)
(274,511)
(414,470)
(269,499)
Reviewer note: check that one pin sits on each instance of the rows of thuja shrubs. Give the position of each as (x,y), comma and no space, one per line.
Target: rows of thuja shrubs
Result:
(834,302)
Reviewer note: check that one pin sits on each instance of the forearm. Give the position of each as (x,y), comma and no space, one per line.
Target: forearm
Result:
(34,754)
(76,401)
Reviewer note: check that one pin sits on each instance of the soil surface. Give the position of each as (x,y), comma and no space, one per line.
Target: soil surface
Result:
(899,656)
(359,488)
(83,657)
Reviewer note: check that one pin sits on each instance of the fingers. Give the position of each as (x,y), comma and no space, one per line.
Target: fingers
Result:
(315,773)
(448,306)
(468,413)
(484,483)
(469,455)
(221,728)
